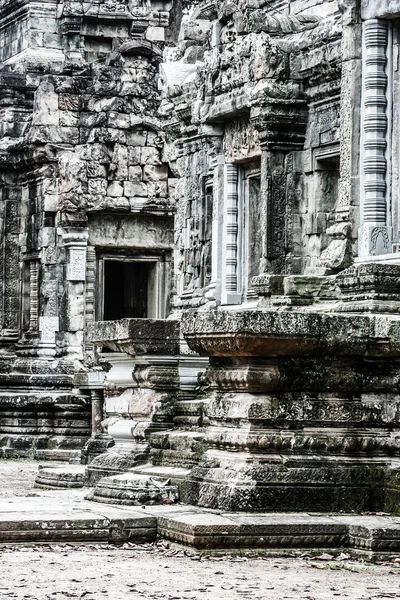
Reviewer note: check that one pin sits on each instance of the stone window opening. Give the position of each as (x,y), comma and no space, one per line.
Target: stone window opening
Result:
(205,233)
(126,290)
(243,238)
(327,177)
(132,287)
(252,218)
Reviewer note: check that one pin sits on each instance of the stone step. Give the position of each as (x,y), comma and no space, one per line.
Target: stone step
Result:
(47,380)
(40,424)
(66,517)
(369,537)
(177,448)
(56,517)
(71,455)
(175,474)
(59,454)
(20,398)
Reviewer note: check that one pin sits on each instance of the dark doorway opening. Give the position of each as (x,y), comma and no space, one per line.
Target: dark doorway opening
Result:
(126,287)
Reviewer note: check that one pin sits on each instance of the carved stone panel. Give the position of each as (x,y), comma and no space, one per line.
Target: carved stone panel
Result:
(241,140)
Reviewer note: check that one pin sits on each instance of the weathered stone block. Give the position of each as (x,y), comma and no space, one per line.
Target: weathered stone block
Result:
(135,188)
(155,173)
(115,190)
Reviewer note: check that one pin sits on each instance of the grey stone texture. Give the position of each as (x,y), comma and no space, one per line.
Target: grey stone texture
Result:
(201,251)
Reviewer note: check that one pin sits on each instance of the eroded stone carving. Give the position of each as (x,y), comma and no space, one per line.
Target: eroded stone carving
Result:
(201,201)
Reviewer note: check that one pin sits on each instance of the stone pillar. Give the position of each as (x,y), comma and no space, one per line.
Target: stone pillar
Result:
(90,290)
(291,421)
(213,291)
(34,295)
(375,234)
(97,411)
(75,242)
(230,251)
(275,216)
(11,265)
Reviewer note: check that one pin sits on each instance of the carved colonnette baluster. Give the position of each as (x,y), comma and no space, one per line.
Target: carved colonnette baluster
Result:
(375,234)
(230,251)
(90,290)
(34,295)
(214,288)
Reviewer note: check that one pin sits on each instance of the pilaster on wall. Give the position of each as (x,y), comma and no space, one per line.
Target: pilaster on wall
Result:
(230,247)
(214,289)
(375,234)
(75,241)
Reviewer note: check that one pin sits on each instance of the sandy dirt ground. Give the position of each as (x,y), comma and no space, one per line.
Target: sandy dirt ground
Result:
(163,571)
(17,477)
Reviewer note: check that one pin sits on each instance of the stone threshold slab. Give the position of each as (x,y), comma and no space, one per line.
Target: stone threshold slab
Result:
(369,537)
(66,517)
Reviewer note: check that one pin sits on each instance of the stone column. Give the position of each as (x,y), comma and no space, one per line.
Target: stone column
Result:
(90,290)
(275,214)
(216,247)
(75,242)
(11,265)
(230,251)
(34,295)
(375,234)
(97,411)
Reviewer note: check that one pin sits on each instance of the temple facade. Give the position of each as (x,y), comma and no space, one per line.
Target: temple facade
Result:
(200,230)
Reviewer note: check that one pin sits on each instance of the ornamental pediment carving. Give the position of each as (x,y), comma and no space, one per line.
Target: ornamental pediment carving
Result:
(95,8)
(244,60)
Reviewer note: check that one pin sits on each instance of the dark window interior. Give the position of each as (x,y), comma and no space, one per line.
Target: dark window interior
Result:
(328,173)
(254,250)
(125,289)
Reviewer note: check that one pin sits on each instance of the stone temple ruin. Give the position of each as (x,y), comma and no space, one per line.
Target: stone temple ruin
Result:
(201,245)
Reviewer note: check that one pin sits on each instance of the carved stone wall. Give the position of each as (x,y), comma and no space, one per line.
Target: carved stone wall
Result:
(82,148)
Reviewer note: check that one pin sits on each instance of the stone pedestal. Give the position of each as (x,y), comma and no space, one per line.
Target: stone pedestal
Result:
(143,402)
(302,410)
(41,415)
(93,382)
(133,490)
